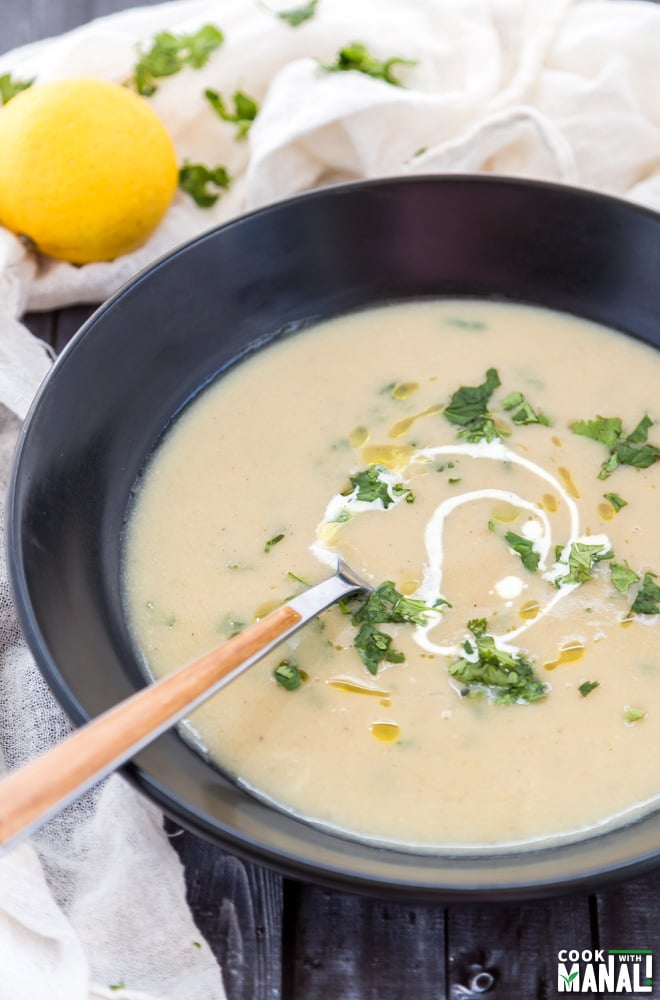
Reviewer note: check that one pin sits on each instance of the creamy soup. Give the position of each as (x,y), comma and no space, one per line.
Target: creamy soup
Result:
(491,465)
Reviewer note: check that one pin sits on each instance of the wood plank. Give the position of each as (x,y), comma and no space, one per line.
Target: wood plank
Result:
(628,919)
(510,952)
(68,322)
(238,909)
(42,325)
(349,948)
(30,21)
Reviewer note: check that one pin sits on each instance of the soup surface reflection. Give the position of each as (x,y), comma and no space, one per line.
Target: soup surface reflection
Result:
(494,464)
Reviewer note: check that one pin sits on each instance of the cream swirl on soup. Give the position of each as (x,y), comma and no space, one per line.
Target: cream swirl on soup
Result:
(547,571)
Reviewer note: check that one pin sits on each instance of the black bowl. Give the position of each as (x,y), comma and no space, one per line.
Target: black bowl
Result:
(150,349)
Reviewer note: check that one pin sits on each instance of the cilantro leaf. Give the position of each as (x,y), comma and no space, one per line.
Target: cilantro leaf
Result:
(525,549)
(273,541)
(460,321)
(194,179)
(522,412)
(615,501)
(375,646)
(470,402)
(356,56)
(582,559)
(505,677)
(9,87)
(468,407)
(370,487)
(198,47)
(646,601)
(587,687)
(386,604)
(631,449)
(634,714)
(170,53)
(297,15)
(623,576)
(641,432)
(244,113)
(288,675)
(605,430)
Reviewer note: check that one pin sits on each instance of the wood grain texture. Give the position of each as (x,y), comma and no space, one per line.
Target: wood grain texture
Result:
(238,908)
(41,325)
(514,946)
(350,948)
(628,916)
(23,22)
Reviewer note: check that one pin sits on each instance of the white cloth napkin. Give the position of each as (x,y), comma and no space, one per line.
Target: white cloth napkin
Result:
(536,88)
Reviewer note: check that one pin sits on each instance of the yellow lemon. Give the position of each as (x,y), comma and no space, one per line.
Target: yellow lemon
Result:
(87,169)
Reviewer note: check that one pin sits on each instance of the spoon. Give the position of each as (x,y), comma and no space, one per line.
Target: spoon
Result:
(35,792)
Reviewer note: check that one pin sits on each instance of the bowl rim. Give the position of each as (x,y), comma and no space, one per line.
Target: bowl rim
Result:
(251,849)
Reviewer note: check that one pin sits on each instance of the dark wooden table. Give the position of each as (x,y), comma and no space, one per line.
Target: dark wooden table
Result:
(276,938)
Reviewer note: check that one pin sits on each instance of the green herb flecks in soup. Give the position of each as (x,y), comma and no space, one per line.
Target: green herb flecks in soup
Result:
(513,629)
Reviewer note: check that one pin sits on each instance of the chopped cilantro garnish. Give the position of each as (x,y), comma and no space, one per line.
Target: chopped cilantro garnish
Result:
(623,576)
(630,449)
(298,579)
(582,559)
(275,540)
(297,15)
(375,646)
(288,675)
(468,407)
(525,549)
(605,430)
(387,389)
(194,179)
(244,113)
(231,626)
(170,53)
(197,944)
(465,324)
(9,87)
(385,605)
(587,687)
(357,57)
(342,517)
(121,985)
(616,501)
(505,677)
(634,714)
(521,411)
(646,602)
(370,486)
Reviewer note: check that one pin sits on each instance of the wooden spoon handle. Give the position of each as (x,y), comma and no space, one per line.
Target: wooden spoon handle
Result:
(33,793)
